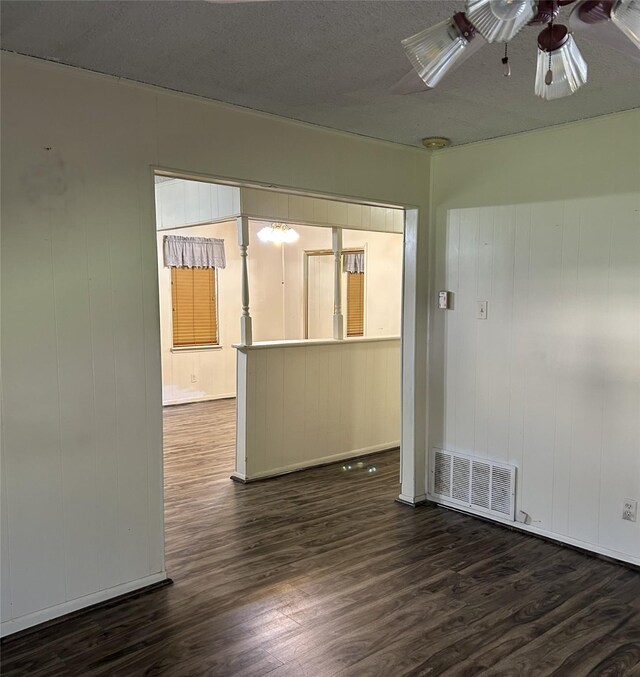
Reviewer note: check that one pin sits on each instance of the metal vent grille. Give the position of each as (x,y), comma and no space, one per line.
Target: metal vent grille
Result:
(481,484)
(442,474)
(460,478)
(501,490)
(478,484)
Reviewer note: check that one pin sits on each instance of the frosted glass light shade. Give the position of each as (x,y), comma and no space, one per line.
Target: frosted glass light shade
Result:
(626,16)
(500,20)
(435,51)
(278,233)
(568,67)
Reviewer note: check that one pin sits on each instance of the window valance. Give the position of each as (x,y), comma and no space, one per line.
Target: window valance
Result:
(194,252)
(353,262)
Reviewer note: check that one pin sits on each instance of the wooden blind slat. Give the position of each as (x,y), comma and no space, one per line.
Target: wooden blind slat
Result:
(193,294)
(355,304)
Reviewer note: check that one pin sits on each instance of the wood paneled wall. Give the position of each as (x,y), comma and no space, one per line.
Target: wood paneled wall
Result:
(182,202)
(81,389)
(550,381)
(186,203)
(318,211)
(308,404)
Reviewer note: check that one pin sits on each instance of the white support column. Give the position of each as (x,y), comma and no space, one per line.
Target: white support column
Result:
(338,319)
(413,441)
(246,337)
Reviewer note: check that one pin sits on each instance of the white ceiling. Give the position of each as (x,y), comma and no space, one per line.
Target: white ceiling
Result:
(330,63)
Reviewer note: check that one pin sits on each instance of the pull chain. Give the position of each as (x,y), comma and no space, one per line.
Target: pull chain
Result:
(548,78)
(506,68)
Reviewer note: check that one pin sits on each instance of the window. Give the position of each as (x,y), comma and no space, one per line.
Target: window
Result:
(355,304)
(194,305)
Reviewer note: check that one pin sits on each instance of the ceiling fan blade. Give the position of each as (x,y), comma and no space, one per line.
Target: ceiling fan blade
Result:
(606,32)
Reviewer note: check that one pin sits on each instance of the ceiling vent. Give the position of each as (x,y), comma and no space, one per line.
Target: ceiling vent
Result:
(476,484)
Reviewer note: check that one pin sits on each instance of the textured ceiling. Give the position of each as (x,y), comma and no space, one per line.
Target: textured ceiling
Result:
(330,63)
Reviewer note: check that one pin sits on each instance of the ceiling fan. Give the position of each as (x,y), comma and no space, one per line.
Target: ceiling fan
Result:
(561,69)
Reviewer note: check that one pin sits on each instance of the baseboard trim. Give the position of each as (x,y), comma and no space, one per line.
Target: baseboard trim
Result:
(565,542)
(319,463)
(195,400)
(59,613)
(412,501)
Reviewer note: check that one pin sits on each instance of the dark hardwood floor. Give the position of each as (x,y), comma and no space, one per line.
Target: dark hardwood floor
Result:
(321,573)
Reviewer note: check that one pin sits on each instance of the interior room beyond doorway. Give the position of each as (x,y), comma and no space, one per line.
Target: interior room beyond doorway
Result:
(286,292)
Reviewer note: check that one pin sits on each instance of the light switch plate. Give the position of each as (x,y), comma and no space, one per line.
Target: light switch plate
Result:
(483,307)
(445,300)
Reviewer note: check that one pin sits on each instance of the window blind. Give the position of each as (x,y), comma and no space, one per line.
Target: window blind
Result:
(195,315)
(355,304)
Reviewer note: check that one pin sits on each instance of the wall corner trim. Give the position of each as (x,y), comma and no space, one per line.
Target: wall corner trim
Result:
(412,501)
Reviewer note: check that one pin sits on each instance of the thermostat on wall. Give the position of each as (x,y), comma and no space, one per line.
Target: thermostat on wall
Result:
(445,300)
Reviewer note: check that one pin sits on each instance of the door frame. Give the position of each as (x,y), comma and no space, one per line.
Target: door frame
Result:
(305,280)
(416,310)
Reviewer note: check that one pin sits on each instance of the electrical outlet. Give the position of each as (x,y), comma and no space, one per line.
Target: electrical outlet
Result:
(629,509)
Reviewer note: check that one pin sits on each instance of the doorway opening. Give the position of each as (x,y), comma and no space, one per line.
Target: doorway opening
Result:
(319,298)
(201,308)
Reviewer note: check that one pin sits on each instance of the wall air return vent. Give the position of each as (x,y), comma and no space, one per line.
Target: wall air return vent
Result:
(477,484)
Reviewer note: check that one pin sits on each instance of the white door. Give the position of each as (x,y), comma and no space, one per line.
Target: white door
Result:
(320,296)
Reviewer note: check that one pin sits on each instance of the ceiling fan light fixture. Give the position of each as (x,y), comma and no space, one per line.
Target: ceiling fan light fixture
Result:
(500,20)
(625,14)
(278,233)
(561,69)
(436,50)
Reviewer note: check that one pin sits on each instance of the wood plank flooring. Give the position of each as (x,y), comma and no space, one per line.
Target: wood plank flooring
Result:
(321,573)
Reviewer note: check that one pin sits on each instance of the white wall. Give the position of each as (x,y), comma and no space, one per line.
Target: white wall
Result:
(181,203)
(214,369)
(316,402)
(551,380)
(81,385)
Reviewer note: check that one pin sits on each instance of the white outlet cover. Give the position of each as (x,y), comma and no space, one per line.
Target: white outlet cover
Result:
(630,509)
